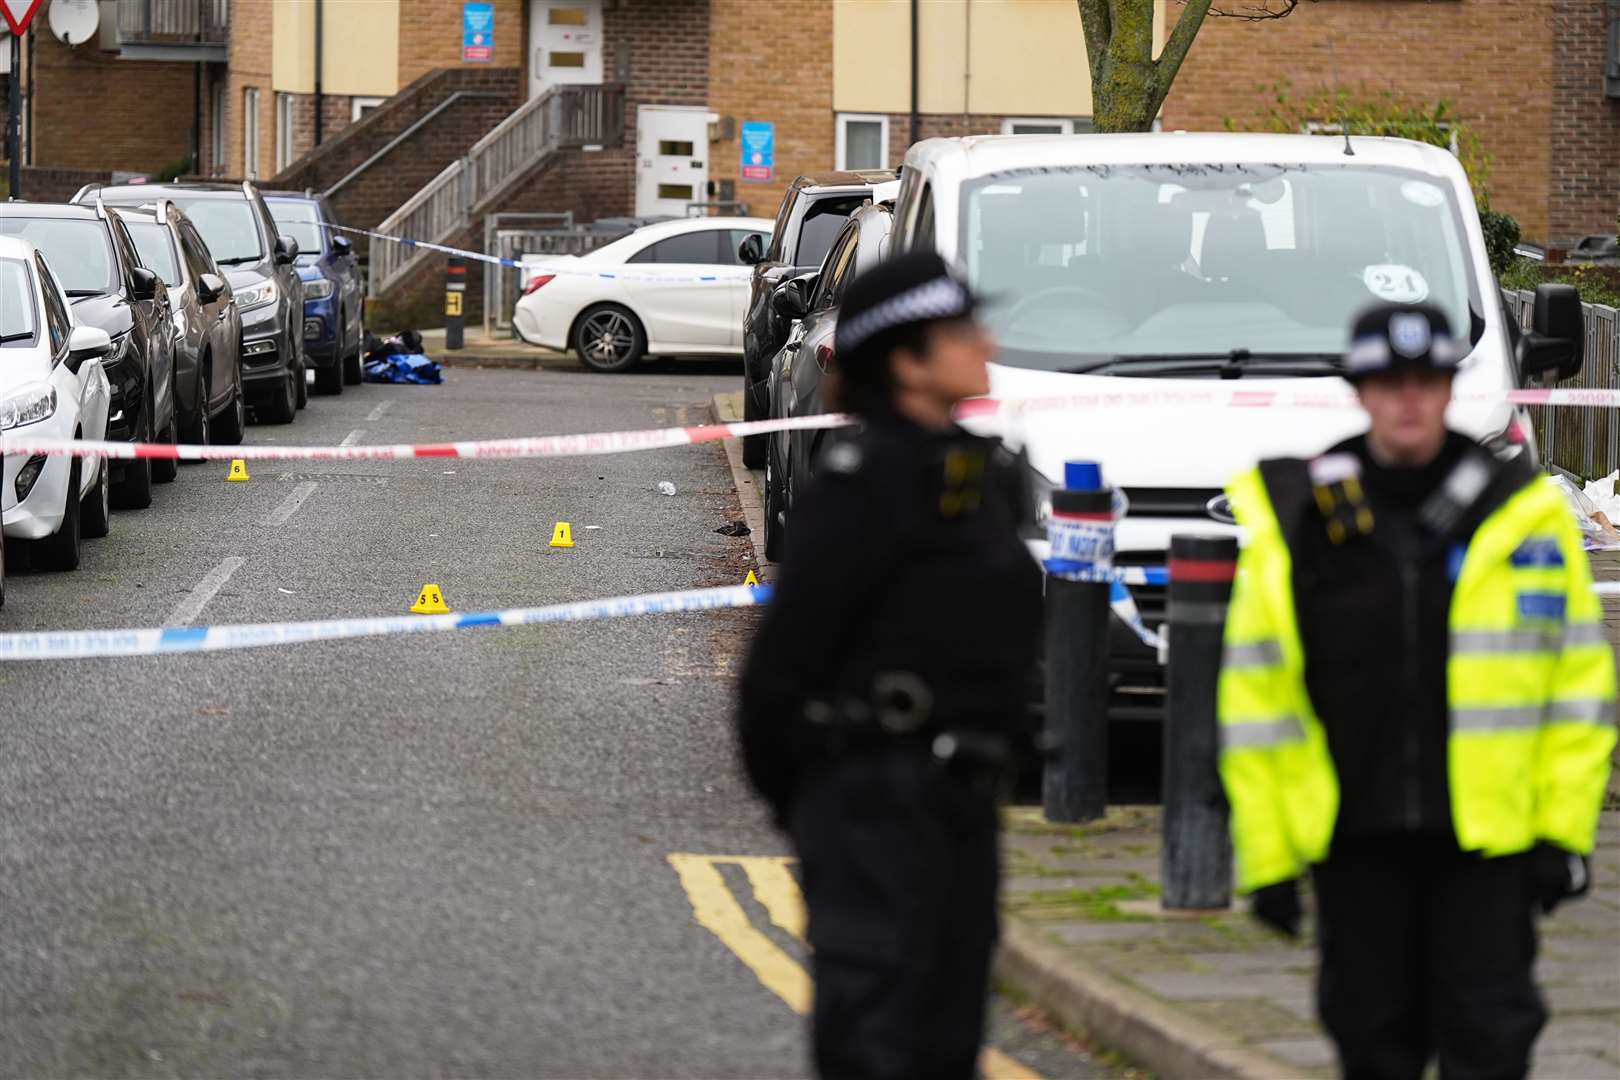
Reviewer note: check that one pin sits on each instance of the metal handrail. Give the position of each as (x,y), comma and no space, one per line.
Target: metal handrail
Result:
(562,116)
(403,136)
(1582,442)
(174,21)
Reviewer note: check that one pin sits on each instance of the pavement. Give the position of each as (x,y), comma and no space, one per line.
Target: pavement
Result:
(495,852)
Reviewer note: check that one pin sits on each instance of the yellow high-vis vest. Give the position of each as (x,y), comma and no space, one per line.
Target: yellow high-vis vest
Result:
(1530,684)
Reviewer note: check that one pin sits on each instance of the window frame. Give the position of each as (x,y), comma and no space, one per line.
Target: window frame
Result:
(841,147)
(38,324)
(250,132)
(49,287)
(1064,124)
(360,105)
(285,122)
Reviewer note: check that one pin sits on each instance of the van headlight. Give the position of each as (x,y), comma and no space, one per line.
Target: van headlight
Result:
(254,296)
(318,289)
(28,406)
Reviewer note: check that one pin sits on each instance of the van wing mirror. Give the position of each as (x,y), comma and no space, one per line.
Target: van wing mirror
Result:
(1555,344)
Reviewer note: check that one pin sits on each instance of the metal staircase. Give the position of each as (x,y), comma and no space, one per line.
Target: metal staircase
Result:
(562,117)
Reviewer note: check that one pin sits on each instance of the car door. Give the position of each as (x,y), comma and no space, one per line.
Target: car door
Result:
(219,335)
(152,316)
(350,286)
(678,285)
(89,384)
(738,278)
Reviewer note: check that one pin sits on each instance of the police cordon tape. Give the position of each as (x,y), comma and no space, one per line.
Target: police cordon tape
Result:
(621,442)
(85,644)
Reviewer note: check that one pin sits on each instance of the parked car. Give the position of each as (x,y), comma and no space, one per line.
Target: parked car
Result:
(677,287)
(95,259)
(258,261)
(810,304)
(811,215)
(1167,262)
(334,293)
(53,385)
(207,327)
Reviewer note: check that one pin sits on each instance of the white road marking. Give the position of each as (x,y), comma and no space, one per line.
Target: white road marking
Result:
(377,413)
(289,506)
(352,437)
(189,608)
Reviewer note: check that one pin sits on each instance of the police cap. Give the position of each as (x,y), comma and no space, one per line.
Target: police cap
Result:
(1391,337)
(908,290)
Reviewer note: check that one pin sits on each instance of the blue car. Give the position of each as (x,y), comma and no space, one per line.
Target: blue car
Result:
(334,294)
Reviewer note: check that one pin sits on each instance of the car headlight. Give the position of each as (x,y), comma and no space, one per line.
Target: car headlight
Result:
(120,346)
(253,296)
(29,405)
(319,289)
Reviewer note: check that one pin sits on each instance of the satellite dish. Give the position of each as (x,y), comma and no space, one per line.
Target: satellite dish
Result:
(74,22)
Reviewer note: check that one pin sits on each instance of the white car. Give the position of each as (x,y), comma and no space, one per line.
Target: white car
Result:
(677,287)
(52,386)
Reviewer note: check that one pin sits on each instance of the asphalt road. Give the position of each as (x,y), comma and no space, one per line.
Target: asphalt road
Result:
(426,856)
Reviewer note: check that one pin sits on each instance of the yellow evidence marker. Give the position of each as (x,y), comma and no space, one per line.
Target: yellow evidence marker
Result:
(562,536)
(751,579)
(238,471)
(430,601)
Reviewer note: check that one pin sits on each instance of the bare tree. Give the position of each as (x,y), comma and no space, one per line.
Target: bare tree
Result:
(1127,84)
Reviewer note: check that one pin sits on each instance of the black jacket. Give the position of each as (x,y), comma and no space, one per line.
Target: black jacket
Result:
(1373,614)
(904,557)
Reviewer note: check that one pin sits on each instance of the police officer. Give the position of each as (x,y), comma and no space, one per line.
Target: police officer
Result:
(883,692)
(1416,704)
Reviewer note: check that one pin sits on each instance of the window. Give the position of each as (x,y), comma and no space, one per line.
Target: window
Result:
(299,219)
(821,224)
(250,133)
(196,252)
(1022,125)
(78,248)
(56,312)
(155,246)
(683,192)
(284,131)
(565,59)
(863,141)
(17,317)
(567,16)
(227,225)
(359,106)
(674,148)
(693,247)
(218,135)
(834,269)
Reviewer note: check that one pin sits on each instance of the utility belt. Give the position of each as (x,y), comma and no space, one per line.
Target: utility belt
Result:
(901,711)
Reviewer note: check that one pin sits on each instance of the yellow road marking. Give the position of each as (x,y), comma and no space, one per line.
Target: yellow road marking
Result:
(777,891)
(718,912)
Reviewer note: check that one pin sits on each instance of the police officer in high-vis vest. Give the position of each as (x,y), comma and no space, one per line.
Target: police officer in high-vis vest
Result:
(1417,708)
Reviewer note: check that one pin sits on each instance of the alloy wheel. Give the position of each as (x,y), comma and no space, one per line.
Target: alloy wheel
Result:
(608,337)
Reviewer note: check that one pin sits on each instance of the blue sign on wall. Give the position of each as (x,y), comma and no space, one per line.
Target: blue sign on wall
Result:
(758,150)
(477,33)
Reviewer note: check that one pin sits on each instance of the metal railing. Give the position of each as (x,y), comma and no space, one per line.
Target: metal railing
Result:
(562,116)
(1584,442)
(174,21)
(512,236)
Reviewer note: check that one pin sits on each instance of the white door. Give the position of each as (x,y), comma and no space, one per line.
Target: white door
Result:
(565,43)
(672,159)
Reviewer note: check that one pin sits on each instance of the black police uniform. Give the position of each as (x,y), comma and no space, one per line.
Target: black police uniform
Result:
(883,697)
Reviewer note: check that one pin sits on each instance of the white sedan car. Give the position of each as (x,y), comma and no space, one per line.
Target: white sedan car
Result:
(51,387)
(677,287)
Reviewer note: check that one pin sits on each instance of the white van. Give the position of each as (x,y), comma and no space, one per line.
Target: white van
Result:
(1131,265)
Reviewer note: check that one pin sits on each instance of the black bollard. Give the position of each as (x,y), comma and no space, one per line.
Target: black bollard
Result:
(1197,844)
(455,287)
(1075,784)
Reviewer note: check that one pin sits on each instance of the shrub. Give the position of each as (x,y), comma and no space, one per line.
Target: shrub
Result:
(1501,235)
(1597,284)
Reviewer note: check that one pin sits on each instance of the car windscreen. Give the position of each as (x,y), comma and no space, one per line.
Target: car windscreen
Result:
(155,245)
(19,321)
(820,227)
(299,219)
(227,226)
(1089,265)
(79,250)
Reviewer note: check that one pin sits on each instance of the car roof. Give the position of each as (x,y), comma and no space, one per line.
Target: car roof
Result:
(697,224)
(984,155)
(843,178)
(154,192)
(67,211)
(292,196)
(15,247)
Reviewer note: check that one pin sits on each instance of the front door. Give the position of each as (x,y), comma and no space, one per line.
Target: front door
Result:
(672,159)
(565,43)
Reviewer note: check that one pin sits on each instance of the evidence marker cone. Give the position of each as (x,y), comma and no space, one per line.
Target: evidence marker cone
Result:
(752,579)
(238,471)
(562,536)
(430,601)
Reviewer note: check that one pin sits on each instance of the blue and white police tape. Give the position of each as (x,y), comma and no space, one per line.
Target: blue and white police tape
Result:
(84,644)
(554,268)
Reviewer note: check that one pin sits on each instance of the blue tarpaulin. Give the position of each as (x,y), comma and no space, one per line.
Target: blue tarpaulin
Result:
(403,368)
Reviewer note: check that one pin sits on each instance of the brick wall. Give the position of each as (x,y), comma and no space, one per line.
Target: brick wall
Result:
(1492,61)
(772,62)
(45,184)
(430,36)
(250,67)
(1585,128)
(95,111)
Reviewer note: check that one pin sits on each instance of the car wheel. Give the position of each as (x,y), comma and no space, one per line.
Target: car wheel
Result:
(60,551)
(164,470)
(95,515)
(753,446)
(134,491)
(232,423)
(608,338)
(302,384)
(353,367)
(196,432)
(775,509)
(281,408)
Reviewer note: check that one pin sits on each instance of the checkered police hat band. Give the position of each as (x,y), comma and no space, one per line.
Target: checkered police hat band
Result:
(942,298)
(1373,353)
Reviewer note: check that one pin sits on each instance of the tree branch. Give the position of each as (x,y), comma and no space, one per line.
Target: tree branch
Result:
(1177,45)
(1258,11)
(1099,31)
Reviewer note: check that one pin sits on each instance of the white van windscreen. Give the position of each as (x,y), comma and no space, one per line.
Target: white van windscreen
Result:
(1094,266)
